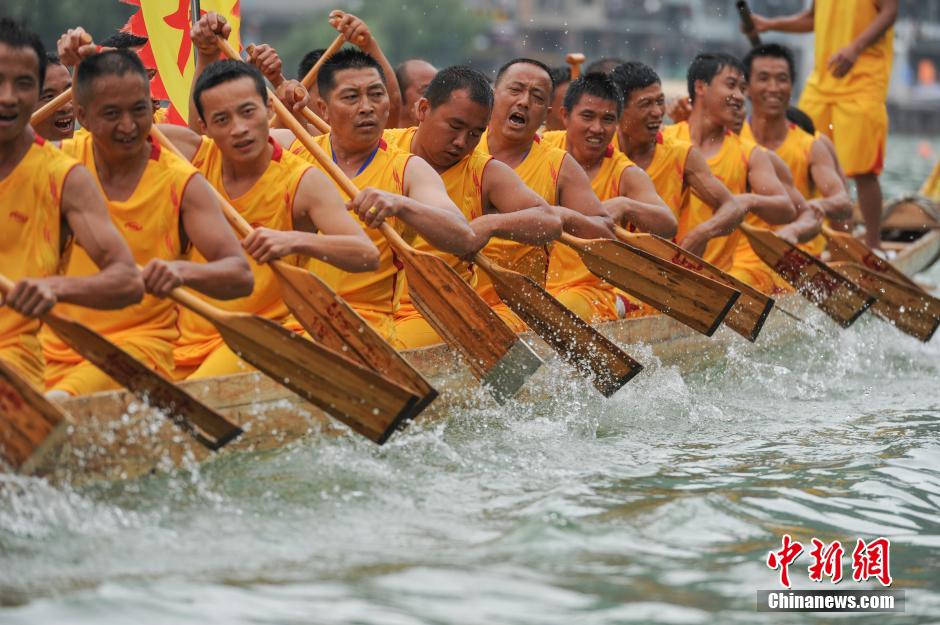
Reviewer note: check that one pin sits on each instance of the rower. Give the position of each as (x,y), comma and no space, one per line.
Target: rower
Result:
(452,116)
(846,93)
(61,124)
(293,207)
(591,111)
(158,202)
(45,198)
(521,100)
(674,165)
(414,76)
(716,89)
(395,186)
(770,74)
(123,40)
(561,78)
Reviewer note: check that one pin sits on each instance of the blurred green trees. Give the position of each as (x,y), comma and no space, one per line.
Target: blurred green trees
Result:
(51,18)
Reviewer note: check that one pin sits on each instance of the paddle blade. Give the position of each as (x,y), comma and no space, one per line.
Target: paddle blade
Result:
(749,312)
(844,246)
(204,424)
(896,303)
(496,356)
(696,301)
(591,353)
(833,294)
(30,426)
(364,400)
(331,322)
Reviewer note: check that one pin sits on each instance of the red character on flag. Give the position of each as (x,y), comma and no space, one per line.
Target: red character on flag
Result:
(871,560)
(782,559)
(826,561)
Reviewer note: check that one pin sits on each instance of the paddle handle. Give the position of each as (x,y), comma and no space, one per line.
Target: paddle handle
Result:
(311,76)
(50,107)
(750,31)
(574,61)
(6,285)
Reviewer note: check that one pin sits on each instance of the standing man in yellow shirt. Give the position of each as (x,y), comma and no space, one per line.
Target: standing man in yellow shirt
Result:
(45,198)
(846,93)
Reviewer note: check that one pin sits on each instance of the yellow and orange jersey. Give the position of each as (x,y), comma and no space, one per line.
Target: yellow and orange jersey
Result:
(268,203)
(149,220)
(30,214)
(730,165)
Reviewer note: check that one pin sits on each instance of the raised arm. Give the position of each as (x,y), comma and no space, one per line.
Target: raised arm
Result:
(118,282)
(184,139)
(225,274)
(324,230)
(640,204)
(835,202)
(768,198)
(425,207)
(728,211)
(582,213)
(512,210)
(801,22)
(203,35)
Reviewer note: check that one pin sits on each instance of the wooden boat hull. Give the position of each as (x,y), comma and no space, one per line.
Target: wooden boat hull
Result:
(115,436)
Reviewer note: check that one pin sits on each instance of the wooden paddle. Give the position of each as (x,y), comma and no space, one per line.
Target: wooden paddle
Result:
(579,343)
(326,316)
(838,297)
(365,401)
(497,357)
(895,302)
(42,113)
(201,422)
(744,12)
(30,425)
(699,302)
(748,314)
(846,246)
(311,76)
(574,61)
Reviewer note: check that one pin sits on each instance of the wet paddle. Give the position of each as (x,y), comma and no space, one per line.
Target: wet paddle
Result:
(327,317)
(579,343)
(847,247)
(897,303)
(574,61)
(364,400)
(201,422)
(699,302)
(838,297)
(30,425)
(747,22)
(748,314)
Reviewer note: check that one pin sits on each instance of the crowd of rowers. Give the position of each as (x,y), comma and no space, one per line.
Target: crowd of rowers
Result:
(105,222)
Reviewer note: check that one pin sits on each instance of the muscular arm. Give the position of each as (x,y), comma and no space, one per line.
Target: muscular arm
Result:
(640,204)
(807,223)
(184,139)
(582,213)
(728,211)
(768,198)
(512,210)
(324,230)
(801,22)
(225,274)
(835,202)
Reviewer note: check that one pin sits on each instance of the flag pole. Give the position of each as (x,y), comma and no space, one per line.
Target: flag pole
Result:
(194,11)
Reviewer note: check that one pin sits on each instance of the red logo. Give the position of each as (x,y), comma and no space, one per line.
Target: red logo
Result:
(826,561)
(869,560)
(784,558)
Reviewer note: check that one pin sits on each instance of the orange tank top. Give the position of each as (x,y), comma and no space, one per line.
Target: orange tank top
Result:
(30,225)
(730,165)
(539,171)
(268,203)
(380,290)
(149,220)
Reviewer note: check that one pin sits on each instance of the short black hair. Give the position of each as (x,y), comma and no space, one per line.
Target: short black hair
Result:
(774,50)
(310,59)
(633,76)
(52,59)
(707,65)
(603,65)
(560,75)
(110,63)
(16,35)
(225,71)
(347,58)
(123,39)
(527,61)
(801,119)
(456,78)
(596,84)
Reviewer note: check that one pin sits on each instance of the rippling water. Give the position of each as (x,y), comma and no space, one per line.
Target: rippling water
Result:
(656,506)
